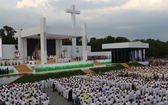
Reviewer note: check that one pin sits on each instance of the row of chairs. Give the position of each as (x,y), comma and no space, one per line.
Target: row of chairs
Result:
(10,62)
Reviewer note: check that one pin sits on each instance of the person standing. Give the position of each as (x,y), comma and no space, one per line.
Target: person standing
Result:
(53,86)
(77,100)
(70,95)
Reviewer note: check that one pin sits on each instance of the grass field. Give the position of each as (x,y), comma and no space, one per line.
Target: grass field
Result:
(135,64)
(37,77)
(108,68)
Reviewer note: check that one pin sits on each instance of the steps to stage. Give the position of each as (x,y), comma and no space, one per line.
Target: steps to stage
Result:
(96,63)
(125,65)
(88,71)
(22,69)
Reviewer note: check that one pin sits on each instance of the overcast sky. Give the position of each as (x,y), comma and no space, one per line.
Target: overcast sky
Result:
(133,19)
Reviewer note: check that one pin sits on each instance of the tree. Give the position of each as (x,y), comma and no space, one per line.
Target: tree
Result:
(79,41)
(92,40)
(66,42)
(7,35)
(109,39)
(96,44)
(121,39)
(92,43)
(157,48)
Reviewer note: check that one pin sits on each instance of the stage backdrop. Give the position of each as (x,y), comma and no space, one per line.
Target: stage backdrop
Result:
(33,47)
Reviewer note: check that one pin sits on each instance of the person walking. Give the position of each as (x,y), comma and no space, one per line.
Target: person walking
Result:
(53,86)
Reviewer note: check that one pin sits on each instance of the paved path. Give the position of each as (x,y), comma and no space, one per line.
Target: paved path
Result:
(56,99)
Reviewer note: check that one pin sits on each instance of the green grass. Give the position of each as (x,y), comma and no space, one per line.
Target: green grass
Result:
(135,64)
(108,68)
(104,63)
(37,77)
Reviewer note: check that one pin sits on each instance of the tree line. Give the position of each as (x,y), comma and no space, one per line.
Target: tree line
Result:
(157,48)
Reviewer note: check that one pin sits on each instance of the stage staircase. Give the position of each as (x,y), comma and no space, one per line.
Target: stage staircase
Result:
(88,71)
(73,60)
(125,65)
(96,63)
(22,69)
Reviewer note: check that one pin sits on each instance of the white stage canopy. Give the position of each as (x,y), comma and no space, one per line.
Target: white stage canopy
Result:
(125,45)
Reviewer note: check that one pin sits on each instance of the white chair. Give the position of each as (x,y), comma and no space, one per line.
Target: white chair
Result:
(10,62)
(3,63)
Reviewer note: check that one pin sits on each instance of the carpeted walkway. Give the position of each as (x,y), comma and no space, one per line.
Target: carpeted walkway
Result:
(56,99)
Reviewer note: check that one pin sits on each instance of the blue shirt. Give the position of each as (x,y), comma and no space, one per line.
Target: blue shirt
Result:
(77,101)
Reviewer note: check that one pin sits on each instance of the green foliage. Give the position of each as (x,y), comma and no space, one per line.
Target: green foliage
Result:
(66,42)
(135,64)
(79,41)
(121,39)
(157,48)
(108,68)
(69,41)
(96,44)
(37,77)
(7,35)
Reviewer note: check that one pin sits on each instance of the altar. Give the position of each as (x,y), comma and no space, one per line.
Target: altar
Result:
(62,60)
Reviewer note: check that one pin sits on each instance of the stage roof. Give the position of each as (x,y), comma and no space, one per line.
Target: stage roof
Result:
(125,45)
(52,33)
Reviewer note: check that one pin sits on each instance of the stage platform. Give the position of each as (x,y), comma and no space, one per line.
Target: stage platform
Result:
(34,67)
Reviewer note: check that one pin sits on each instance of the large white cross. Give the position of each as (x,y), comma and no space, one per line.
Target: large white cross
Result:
(73,12)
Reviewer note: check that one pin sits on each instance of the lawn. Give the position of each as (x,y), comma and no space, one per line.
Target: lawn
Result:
(135,64)
(108,68)
(37,77)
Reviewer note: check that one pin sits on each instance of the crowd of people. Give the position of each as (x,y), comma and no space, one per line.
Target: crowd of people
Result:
(158,62)
(125,87)
(130,86)
(23,94)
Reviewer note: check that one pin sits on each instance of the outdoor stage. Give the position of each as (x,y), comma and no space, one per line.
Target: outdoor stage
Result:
(54,67)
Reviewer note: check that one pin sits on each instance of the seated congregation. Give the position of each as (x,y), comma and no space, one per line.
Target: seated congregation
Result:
(23,94)
(112,88)
(130,86)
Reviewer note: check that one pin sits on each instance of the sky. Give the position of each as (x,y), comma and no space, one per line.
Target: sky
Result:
(133,19)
